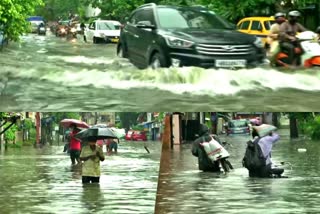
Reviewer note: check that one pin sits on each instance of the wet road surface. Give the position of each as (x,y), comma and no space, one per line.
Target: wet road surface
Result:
(43,181)
(53,74)
(184,189)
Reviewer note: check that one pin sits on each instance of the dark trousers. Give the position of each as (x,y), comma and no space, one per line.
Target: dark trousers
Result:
(89,179)
(75,155)
(289,48)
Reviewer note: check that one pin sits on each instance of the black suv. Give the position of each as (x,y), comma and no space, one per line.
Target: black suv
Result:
(164,36)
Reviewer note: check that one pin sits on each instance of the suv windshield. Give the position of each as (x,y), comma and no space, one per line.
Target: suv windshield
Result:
(171,18)
(107,26)
(238,123)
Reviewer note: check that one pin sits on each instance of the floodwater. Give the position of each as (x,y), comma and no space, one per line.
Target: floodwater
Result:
(43,181)
(52,74)
(184,189)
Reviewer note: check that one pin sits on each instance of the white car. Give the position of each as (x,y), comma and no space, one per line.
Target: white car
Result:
(102,30)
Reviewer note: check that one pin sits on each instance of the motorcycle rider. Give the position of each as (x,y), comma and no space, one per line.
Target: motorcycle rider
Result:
(318,32)
(273,37)
(205,164)
(266,143)
(287,35)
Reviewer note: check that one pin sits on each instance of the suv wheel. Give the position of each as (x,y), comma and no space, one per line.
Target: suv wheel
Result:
(157,61)
(95,40)
(121,52)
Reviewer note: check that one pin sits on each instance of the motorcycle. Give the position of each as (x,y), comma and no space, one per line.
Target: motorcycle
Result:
(217,153)
(71,33)
(308,51)
(42,30)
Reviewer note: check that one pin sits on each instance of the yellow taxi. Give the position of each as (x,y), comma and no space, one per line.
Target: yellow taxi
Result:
(258,26)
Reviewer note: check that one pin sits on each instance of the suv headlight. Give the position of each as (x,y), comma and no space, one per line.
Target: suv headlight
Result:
(175,42)
(258,43)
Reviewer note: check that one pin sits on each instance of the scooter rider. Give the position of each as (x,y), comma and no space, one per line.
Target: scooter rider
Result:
(288,31)
(273,37)
(204,162)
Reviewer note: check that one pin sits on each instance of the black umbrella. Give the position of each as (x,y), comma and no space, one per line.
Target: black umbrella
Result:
(94,134)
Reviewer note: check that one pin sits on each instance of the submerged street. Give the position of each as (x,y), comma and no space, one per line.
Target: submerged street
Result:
(184,189)
(52,74)
(43,181)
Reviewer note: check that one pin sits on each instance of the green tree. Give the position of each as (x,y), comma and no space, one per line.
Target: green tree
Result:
(118,9)
(13,14)
(58,116)
(52,9)
(128,119)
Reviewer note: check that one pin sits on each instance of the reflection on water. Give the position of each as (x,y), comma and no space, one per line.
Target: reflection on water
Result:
(184,189)
(43,181)
(35,72)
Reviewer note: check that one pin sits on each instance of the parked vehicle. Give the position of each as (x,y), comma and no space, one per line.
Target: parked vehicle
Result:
(309,51)
(164,36)
(134,135)
(240,126)
(103,31)
(129,135)
(258,26)
(139,136)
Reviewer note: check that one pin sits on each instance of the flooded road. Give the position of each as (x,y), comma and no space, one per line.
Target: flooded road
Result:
(43,181)
(184,189)
(52,74)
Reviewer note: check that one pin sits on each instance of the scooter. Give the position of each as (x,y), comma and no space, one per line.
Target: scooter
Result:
(308,52)
(217,153)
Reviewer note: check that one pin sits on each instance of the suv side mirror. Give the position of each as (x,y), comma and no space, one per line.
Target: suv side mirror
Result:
(145,24)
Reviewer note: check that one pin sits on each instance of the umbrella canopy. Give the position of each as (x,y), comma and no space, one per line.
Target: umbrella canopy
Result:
(120,133)
(95,134)
(79,123)
(264,129)
(99,126)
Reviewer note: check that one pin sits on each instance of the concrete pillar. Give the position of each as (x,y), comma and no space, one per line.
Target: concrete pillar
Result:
(202,118)
(166,136)
(176,129)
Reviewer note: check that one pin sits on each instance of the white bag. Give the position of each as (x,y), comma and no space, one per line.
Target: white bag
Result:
(215,150)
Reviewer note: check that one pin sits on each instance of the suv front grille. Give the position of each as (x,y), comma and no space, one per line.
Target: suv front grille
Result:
(221,50)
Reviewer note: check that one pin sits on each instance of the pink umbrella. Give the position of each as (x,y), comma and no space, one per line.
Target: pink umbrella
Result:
(79,123)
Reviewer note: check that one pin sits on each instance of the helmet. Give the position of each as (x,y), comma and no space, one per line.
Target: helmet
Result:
(294,13)
(203,129)
(318,30)
(277,15)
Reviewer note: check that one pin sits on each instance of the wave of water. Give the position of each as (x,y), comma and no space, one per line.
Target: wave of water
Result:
(53,61)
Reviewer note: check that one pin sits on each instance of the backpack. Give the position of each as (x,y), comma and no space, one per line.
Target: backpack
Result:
(253,158)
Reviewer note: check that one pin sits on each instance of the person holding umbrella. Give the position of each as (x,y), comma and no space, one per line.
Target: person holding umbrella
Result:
(75,145)
(91,155)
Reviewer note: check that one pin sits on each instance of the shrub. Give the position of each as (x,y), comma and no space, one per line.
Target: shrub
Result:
(312,128)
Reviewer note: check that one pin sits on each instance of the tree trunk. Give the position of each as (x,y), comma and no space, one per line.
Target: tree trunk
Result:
(38,130)
(95,117)
(293,128)
(275,119)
